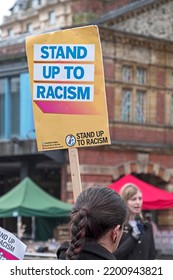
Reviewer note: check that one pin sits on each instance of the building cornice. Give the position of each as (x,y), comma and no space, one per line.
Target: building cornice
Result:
(115,36)
(16,45)
(129,11)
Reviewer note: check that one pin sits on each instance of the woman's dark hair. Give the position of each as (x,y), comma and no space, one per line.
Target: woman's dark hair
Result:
(96,211)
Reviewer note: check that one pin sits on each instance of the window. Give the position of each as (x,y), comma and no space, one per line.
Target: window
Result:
(171,114)
(133,99)
(141,76)
(10,32)
(140,106)
(14,106)
(16,112)
(16,8)
(2,108)
(51,18)
(29,28)
(126,105)
(36,3)
(126,73)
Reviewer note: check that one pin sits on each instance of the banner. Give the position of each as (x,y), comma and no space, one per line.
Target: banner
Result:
(68,89)
(11,248)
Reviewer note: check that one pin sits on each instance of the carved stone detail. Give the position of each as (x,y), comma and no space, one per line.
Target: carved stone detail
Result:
(157,23)
(142,162)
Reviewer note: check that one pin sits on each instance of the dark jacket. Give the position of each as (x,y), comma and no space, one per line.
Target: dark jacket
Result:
(90,251)
(133,249)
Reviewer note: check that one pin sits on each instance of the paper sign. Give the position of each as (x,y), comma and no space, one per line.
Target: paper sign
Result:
(11,248)
(68,89)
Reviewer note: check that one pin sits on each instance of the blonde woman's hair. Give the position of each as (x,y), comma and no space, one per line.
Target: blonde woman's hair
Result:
(128,191)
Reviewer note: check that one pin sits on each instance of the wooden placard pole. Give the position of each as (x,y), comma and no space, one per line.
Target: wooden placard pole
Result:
(75,172)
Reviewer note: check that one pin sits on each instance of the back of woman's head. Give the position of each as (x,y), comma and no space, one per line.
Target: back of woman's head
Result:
(96,211)
(128,191)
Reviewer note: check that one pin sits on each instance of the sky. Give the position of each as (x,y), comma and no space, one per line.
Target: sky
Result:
(5,6)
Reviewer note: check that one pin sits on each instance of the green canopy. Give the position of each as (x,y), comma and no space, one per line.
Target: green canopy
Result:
(27,199)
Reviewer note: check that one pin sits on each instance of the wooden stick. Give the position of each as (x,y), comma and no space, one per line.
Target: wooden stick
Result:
(75,172)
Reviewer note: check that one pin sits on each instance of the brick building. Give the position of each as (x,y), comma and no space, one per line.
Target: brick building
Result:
(136,38)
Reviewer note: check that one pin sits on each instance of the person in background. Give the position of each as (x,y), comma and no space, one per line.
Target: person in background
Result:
(137,241)
(97,220)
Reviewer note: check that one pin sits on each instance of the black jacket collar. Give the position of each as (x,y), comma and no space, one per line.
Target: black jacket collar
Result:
(90,251)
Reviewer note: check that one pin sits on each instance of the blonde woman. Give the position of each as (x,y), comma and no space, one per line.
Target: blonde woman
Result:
(137,242)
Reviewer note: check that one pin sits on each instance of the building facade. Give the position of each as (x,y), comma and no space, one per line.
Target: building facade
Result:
(136,38)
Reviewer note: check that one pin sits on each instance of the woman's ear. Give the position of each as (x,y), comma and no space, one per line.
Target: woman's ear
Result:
(116,235)
(115,232)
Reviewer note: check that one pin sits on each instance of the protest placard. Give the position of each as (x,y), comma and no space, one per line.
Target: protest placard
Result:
(11,248)
(68,90)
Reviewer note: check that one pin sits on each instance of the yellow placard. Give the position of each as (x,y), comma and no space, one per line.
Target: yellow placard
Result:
(68,89)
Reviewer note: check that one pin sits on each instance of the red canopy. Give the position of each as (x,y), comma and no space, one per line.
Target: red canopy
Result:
(153,197)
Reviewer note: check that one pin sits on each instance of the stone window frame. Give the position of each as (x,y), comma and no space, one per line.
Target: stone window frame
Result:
(140,107)
(129,103)
(127,73)
(52,17)
(141,80)
(131,74)
(29,27)
(126,104)
(10,32)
